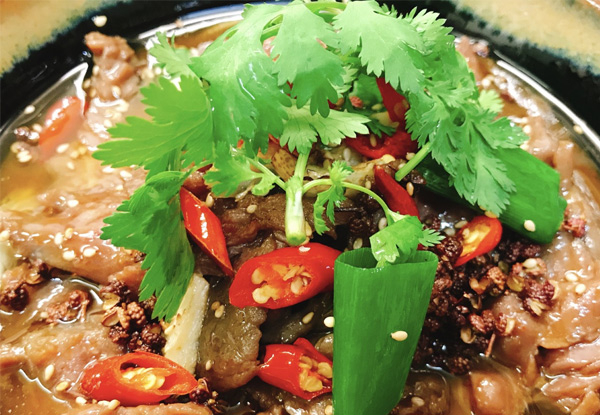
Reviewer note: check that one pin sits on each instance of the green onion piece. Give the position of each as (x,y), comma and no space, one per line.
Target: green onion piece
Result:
(537,197)
(371,303)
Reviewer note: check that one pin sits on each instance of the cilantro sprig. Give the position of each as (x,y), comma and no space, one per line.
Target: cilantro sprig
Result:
(322,51)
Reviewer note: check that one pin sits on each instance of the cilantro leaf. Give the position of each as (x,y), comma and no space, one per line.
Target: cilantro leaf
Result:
(313,70)
(331,197)
(151,222)
(231,170)
(301,129)
(399,240)
(490,100)
(175,61)
(245,96)
(181,121)
(385,44)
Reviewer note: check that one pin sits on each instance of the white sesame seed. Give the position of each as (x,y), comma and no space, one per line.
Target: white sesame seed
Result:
(58,238)
(460,224)
(86,84)
(399,335)
(490,214)
(409,155)
(157,71)
(80,400)
(215,305)
(44,315)
(417,401)
(580,288)
(108,123)
(219,312)
(114,404)
(308,318)
(572,276)
(410,188)
(119,187)
(72,203)
(208,365)
(329,410)
(103,403)
(4,235)
(89,252)
(29,109)
(382,223)
(107,170)
(373,140)
(486,82)
(125,174)
(358,243)
(329,321)
(95,70)
(577,128)
(70,165)
(74,154)
(530,263)
(62,386)
(123,106)
(24,156)
(251,208)
(100,20)
(210,201)
(69,255)
(116,91)
(62,148)
(368,184)
(69,233)
(37,128)
(529,225)
(48,372)
(450,231)
(347,154)
(527,129)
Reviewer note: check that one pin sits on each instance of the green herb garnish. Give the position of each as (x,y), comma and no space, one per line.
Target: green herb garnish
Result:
(321,51)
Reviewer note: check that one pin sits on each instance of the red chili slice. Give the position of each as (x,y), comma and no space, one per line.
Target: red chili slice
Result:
(284,277)
(136,379)
(396,145)
(62,121)
(479,236)
(396,197)
(396,104)
(205,227)
(299,369)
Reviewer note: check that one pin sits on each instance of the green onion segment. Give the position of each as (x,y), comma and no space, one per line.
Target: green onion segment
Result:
(371,303)
(537,197)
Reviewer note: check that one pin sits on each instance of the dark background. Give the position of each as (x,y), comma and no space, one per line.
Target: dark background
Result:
(575,86)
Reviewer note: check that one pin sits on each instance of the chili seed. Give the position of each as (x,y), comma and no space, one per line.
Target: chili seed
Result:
(48,372)
(62,386)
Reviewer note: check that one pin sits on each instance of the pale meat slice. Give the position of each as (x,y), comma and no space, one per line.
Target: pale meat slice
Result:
(67,236)
(116,76)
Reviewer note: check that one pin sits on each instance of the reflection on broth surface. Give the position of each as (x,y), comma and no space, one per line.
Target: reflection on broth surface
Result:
(526,342)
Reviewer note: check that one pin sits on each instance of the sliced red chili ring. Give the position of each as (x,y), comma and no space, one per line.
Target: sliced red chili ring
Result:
(299,369)
(479,236)
(284,277)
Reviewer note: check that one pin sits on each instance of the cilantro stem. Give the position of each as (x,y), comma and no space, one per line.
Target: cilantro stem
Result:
(348,185)
(295,229)
(413,162)
(268,172)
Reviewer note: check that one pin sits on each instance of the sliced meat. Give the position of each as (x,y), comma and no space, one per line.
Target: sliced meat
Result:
(67,235)
(116,77)
(229,344)
(171,409)
(67,348)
